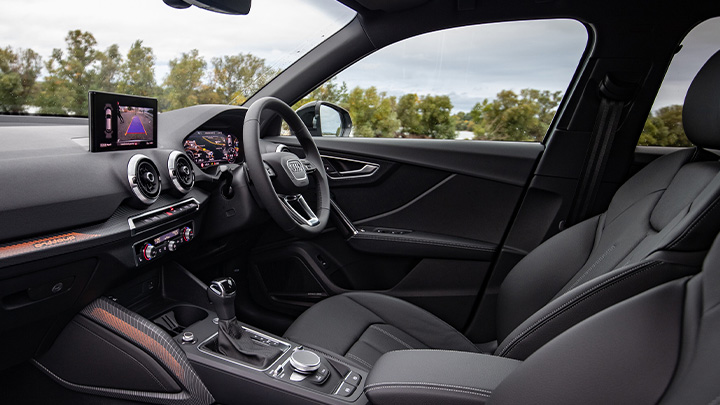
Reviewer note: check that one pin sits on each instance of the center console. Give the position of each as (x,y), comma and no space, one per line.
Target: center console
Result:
(267,366)
(142,343)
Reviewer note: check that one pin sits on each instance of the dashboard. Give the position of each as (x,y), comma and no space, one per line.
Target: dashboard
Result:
(207,148)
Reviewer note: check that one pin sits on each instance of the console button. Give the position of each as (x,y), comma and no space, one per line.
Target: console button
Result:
(345,390)
(353,378)
(320,376)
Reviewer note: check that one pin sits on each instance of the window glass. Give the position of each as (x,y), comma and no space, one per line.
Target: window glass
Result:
(499,81)
(664,125)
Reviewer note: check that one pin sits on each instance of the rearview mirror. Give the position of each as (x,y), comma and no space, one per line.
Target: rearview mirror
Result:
(325,119)
(234,7)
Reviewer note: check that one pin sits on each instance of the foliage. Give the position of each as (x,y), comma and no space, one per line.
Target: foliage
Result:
(237,77)
(183,85)
(330,91)
(19,71)
(664,128)
(513,117)
(138,72)
(80,66)
(373,113)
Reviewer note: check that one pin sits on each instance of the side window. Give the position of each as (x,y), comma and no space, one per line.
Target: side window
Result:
(664,124)
(499,81)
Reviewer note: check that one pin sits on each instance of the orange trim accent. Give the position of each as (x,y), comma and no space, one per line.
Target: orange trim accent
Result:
(45,243)
(140,338)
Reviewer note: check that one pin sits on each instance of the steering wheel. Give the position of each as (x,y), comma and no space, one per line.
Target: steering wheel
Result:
(280,177)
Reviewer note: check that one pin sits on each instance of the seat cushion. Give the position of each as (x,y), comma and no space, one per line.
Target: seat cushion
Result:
(364,326)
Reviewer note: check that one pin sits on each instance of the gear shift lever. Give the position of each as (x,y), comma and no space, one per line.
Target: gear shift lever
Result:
(222,295)
(232,340)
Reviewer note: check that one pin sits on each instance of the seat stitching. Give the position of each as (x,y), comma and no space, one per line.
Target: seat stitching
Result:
(571,303)
(429,384)
(694,224)
(354,357)
(600,259)
(433,316)
(126,354)
(482,394)
(428,242)
(397,339)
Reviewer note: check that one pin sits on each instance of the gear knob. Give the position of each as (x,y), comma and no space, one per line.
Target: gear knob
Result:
(221,293)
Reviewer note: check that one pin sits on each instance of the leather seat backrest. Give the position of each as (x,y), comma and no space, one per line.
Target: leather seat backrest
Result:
(669,206)
(662,346)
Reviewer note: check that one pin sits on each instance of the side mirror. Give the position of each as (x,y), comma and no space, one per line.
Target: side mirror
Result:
(325,119)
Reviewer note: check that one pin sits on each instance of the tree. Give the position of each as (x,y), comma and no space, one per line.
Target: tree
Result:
(463,121)
(109,72)
(138,72)
(19,71)
(664,128)
(373,113)
(330,91)
(184,82)
(408,112)
(435,118)
(70,74)
(239,76)
(513,117)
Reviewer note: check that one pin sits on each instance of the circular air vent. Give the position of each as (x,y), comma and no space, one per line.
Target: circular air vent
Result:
(181,171)
(144,179)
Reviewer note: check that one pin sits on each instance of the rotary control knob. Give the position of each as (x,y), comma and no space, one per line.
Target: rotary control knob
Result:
(149,251)
(304,361)
(172,246)
(187,234)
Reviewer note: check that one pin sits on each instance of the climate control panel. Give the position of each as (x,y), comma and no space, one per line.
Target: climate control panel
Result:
(162,243)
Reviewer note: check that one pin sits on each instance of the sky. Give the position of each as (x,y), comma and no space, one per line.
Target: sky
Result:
(469,63)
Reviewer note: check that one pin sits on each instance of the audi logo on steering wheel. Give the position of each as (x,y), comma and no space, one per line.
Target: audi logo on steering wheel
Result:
(295,166)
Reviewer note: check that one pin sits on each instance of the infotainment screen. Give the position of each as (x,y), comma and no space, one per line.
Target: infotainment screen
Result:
(121,122)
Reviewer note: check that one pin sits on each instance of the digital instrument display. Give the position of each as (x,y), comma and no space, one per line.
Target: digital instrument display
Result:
(211,148)
(121,122)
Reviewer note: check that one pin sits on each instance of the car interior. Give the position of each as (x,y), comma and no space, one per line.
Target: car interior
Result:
(256,253)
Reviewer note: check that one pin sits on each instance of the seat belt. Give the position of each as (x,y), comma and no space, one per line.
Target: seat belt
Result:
(613,98)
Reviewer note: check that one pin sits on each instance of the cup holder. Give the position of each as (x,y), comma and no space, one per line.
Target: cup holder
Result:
(180,317)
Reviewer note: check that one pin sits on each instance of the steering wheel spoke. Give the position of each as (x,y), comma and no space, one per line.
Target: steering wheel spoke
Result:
(309,166)
(281,177)
(296,207)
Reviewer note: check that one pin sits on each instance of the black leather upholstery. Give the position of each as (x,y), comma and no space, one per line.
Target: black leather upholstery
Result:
(666,209)
(662,346)
(436,377)
(701,111)
(363,326)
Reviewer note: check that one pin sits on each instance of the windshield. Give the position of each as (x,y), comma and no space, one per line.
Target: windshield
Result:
(52,52)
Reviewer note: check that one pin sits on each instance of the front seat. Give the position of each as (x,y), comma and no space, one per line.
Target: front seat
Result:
(657,228)
(662,346)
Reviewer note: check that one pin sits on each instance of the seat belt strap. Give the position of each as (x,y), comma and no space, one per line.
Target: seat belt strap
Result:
(603,134)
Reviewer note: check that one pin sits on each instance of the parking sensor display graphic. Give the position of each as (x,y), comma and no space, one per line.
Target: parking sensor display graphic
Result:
(134,124)
(122,122)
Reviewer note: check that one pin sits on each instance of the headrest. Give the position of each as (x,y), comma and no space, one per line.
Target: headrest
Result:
(701,112)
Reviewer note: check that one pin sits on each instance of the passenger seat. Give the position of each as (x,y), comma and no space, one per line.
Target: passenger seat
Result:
(657,228)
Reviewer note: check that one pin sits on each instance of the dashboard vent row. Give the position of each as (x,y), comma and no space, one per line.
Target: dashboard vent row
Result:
(181,172)
(144,179)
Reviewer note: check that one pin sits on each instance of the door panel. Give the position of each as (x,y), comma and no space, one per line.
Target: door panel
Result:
(430,218)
